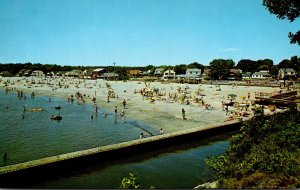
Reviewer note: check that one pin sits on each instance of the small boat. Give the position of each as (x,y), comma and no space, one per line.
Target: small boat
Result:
(56,117)
(35,109)
(58,107)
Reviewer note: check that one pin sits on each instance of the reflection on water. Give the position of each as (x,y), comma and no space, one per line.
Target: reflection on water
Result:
(173,167)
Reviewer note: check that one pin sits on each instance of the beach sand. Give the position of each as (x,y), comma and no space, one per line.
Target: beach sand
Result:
(164,113)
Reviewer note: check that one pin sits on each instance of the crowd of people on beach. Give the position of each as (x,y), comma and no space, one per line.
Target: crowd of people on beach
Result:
(179,95)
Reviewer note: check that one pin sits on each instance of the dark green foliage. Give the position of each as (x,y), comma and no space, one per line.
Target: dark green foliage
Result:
(220,68)
(180,69)
(264,155)
(285,9)
(247,65)
(130,182)
(14,68)
(274,70)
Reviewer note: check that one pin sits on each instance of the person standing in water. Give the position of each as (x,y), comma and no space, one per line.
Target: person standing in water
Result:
(161,131)
(124,103)
(116,110)
(183,113)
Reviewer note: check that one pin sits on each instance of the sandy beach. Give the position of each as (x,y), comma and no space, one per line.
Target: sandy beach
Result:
(157,104)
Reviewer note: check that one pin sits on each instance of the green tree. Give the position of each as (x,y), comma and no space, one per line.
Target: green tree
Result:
(263,67)
(265,154)
(180,69)
(148,67)
(247,65)
(268,62)
(220,68)
(285,9)
(285,64)
(274,70)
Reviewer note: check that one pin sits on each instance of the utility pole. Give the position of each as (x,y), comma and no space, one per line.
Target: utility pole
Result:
(114,71)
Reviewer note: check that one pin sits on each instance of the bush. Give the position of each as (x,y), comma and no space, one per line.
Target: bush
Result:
(264,155)
(130,182)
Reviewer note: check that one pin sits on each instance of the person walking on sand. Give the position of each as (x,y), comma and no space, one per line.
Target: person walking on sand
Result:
(183,113)
(223,105)
(116,110)
(124,103)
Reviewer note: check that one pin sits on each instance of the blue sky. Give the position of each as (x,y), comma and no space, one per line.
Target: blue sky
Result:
(141,32)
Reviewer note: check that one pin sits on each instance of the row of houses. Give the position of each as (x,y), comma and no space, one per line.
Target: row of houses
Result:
(234,74)
(283,73)
(96,73)
(191,73)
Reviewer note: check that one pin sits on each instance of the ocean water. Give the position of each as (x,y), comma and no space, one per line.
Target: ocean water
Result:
(37,136)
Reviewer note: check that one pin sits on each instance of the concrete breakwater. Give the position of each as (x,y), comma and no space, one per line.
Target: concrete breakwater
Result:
(19,175)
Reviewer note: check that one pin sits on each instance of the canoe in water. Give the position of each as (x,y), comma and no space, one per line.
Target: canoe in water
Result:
(35,109)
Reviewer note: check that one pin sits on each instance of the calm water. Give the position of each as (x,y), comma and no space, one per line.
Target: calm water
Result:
(37,136)
(181,167)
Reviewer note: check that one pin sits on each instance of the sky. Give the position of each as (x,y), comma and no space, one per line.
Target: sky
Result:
(141,32)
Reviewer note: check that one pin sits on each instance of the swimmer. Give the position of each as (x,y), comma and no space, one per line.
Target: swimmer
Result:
(122,113)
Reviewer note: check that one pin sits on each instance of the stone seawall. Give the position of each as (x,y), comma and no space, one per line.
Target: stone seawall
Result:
(20,175)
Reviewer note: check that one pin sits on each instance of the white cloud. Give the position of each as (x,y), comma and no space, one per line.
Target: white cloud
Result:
(229,50)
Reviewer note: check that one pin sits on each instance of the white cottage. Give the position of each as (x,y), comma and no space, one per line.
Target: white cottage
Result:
(261,75)
(38,73)
(169,74)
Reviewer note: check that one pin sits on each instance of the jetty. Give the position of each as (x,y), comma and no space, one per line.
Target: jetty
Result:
(18,175)
(277,98)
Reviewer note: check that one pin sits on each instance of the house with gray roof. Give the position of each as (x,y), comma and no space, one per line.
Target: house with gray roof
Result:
(193,73)
(158,71)
(246,75)
(38,73)
(261,75)
(287,73)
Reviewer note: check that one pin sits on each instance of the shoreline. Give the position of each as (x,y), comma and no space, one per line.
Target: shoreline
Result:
(163,113)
